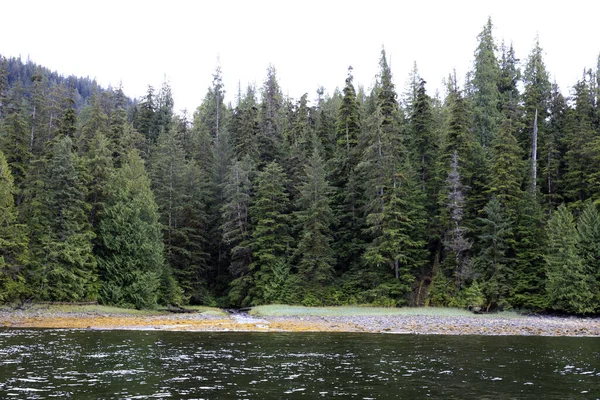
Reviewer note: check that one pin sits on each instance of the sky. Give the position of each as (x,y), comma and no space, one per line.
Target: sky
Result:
(310,43)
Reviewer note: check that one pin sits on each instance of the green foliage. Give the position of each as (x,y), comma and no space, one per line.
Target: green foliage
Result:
(568,286)
(505,183)
(348,126)
(130,255)
(588,248)
(314,214)
(13,241)
(528,291)
(271,241)
(494,263)
(236,227)
(485,87)
(64,267)
(431,201)
(471,297)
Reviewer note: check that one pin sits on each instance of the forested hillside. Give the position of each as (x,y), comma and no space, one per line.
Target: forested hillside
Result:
(484,196)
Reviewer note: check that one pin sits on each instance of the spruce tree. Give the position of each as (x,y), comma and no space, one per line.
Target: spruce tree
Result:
(582,151)
(315,216)
(346,201)
(245,126)
(484,85)
(236,227)
(271,242)
(494,261)
(394,215)
(553,168)
(505,182)
(347,124)
(424,139)
(14,138)
(13,241)
(588,246)
(529,287)
(508,83)
(456,240)
(144,121)
(63,264)
(568,287)
(189,258)
(163,116)
(177,184)
(99,165)
(536,96)
(270,116)
(130,256)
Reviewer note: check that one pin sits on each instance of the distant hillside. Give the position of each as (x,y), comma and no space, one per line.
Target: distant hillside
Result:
(17,70)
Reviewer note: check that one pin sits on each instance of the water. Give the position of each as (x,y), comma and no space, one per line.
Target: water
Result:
(87,364)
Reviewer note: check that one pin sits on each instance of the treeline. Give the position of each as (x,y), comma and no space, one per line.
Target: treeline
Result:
(26,75)
(486,197)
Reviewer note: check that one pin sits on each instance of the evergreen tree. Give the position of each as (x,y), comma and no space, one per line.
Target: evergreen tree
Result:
(93,121)
(536,98)
(39,112)
(13,241)
(529,287)
(245,126)
(346,201)
(553,166)
(271,241)
(236,227)
(166,171)
(99,167)
(117,123)
(413,83)
(458,135)
(144,121)
(508,83)
(63,263)
(14,139)
(493,261)
(189,258)
(271,105)
(394,217)
(505,182)
(588,246)
(130,256)
(456,240)
(3,85)
(582,152)
(347,125)
(315,216)
(484,85)
(163,116)
(568,286)
(425,142)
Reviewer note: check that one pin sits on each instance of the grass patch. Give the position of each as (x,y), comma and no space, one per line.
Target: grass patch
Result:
(277,310)
(89,309)
(207,310)
(98,309)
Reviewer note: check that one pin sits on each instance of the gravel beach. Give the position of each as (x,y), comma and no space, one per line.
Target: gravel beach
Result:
(392,324)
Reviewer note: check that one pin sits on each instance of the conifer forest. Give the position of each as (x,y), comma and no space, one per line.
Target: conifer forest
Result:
(485,195)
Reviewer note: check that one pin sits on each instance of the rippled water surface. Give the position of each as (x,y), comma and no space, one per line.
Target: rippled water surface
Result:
(86,364)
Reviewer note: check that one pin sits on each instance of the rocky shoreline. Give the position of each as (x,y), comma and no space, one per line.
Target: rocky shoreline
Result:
(392,324)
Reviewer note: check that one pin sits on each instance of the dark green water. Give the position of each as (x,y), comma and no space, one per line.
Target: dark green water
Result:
(85,364)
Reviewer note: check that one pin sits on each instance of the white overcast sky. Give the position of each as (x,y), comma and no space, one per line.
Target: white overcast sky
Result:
(310,43)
